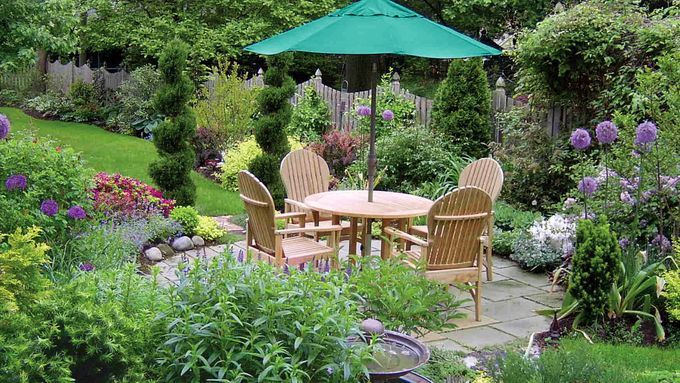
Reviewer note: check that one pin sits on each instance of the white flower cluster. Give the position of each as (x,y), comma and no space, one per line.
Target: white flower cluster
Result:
(558,232)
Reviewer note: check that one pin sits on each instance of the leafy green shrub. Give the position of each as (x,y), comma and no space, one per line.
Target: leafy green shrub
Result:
(240,157)
(533,255)
(172,170)
(595,267)
(401,298)
(444,364)
(85,103)
(21,261)
(504,241)
(507,217)
(403,110)
(50,104)
(447,179)
(137,110)
(50,173)
(461,108)
(672,289)
(208,228)
(256,323)
(226,108)
(311,117)
(98,327)
(270,126)
(187,216)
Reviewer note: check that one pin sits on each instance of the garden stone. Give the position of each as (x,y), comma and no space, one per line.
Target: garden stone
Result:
(166,250)
(153,254)
(198,241)
(182,244)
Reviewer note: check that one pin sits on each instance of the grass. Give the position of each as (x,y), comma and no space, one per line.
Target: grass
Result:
(116,153)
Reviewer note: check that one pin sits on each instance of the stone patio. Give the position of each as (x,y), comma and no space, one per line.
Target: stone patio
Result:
(508,306)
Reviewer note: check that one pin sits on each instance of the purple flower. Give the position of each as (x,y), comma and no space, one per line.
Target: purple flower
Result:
(626,198)
(569,203)
(624,242)
(662,242)
(606,132)
(301,267)
(327,267)
(388,115)
(76,212)
(239,258)
(588,185)
(580,139)
(286,270)
(86,267)
(645,133)
(4,126)
(363,110)
(49,207)
(17,181)
(646,195)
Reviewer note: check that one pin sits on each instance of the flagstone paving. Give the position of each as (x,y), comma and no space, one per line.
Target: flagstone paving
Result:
(509,302)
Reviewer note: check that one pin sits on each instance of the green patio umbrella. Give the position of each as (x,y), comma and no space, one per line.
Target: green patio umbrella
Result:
(374,27)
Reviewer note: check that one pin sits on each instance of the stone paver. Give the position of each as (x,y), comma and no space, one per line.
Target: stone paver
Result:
(553,299)
(480,337)
(469,320)
(508,289)
(512,309)
(449,345)
(501,263)
(524,327)
(531,279)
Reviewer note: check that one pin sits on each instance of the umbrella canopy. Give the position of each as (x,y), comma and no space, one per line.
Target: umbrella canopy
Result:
(373,27)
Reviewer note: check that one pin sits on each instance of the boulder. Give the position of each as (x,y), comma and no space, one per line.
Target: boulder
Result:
(166,250)
(182,244)
(198,241)
(153,254)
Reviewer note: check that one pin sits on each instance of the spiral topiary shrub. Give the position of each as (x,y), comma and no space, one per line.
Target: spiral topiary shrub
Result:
(270,127)
(594,266)
(172,170)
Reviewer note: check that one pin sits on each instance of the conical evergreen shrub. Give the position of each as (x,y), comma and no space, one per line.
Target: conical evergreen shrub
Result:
(462,107)
(270,127)
(172,170)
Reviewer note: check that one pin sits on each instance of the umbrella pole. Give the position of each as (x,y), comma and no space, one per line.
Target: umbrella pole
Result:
(371,151)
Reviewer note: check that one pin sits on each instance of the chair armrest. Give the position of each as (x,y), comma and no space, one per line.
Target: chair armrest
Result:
(314,229)
(296,214)
(406,236)
(295,203)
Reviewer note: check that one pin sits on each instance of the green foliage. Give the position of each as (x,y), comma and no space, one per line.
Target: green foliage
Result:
(595,267)
(99,327)
(136,101)
(510,225)
(21,261)
(537,168)
(226,108)
(404,110)
(311,117)
(208,229)
(401,298)
(531,254)
(672,290)
(171,137)
(51,173)
(461,108)
(253,323)
(85,104)
(270,126)
(447,179)
(188,217)
(50,105)
(444,364)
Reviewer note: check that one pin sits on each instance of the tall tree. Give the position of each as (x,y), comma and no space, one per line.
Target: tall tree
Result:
(172,170)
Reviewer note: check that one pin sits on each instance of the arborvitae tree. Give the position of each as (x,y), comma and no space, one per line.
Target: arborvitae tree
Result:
(172,170)
(462,107)
(270,127)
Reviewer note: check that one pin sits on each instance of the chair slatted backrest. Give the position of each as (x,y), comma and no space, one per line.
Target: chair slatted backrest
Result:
(486,174)
(260,208)
(455,223)
(304,173)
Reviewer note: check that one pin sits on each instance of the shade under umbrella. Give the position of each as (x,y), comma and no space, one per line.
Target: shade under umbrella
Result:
(374,27)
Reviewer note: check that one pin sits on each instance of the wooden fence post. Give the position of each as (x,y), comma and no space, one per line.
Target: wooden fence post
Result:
(396,85)
(259,79)
(500,98)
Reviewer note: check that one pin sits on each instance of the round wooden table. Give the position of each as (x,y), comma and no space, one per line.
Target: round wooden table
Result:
(386,206)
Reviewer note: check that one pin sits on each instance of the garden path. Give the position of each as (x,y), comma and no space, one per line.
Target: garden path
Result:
(508,308)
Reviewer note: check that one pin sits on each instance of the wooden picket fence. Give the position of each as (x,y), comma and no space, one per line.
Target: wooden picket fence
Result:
(62,76)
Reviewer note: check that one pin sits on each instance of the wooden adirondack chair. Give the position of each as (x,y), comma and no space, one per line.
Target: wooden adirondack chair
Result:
(277,245)
(486,174)
(304,173)
(453,249)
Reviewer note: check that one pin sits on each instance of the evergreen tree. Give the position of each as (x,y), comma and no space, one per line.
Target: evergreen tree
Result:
(462,107)
(172,170)
(270,127)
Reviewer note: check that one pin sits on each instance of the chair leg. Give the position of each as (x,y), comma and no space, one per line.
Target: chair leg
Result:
(489,263)
(478,301)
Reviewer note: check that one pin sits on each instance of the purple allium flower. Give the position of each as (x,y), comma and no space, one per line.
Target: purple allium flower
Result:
(363,110)
(624,242)
(87,266)
(17,181)
(580,139)
(662,242)
(388,115)
(588,185)
(76,212)
(49,207)
(606,132)
(4,126)
(645,133)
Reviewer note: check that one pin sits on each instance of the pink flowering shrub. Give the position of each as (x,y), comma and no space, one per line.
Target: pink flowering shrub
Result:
(116,195)
(339,149)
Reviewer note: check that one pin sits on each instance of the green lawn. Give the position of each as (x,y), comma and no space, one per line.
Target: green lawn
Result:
(116,153)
